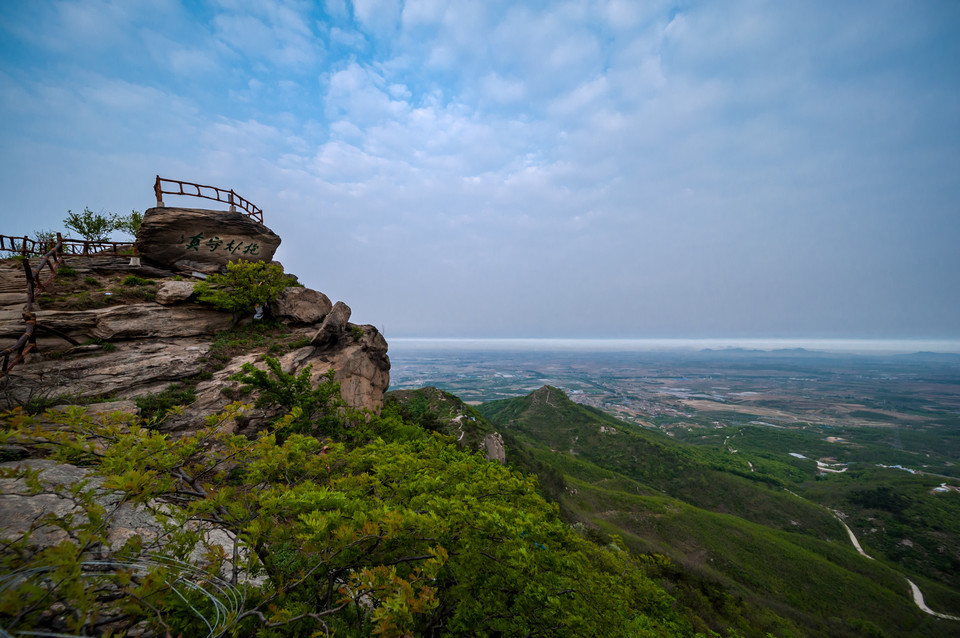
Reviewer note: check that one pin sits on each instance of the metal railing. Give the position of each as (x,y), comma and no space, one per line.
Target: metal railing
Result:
(27,247)
(207,192)
(27,342)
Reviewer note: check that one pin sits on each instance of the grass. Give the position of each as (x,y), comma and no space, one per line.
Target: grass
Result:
(91,292)
(271,337)
(154,407)
(133,280)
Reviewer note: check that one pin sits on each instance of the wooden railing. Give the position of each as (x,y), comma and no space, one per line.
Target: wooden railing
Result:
(206,192)
(27,247)
(27,342)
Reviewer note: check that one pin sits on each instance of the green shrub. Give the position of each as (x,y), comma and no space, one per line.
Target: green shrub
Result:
(246,285)
(154,407)
(310,410)
(296,344)
(133,280)
(66,271)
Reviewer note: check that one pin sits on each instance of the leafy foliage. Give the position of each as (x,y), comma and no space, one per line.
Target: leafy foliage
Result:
(98,226)
(154,407)
(129,224)
(90,225)
(401,534)
(309,410)
(246,285)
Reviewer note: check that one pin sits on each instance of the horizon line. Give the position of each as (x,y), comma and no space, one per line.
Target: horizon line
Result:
(829,344)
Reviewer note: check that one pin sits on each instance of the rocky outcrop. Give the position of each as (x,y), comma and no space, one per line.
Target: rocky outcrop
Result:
(334,326)
(361,366)
(493,448)
(189,239)
(300,305)
(174,292)
(136,349)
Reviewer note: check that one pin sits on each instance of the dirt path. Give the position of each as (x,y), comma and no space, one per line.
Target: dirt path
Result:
(917,594)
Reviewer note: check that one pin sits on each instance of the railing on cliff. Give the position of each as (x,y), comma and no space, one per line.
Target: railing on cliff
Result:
(27,342)
(207,192)
(27,247)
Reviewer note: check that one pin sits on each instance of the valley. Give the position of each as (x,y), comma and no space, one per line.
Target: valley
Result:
(738,464)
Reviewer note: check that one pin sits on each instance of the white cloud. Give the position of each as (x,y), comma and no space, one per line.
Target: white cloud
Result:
(274,32)
(378,16)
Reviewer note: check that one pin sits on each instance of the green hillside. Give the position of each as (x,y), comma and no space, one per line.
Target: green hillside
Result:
(747,554)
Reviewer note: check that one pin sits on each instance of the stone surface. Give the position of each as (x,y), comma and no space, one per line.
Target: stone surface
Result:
(493,447)
(334,326)
(132,369)
(174,292)
(138,321)
(301,305)
(20,511)
(171,235)
(132,321)
(361,366)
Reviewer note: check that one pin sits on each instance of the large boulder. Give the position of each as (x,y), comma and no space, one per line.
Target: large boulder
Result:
(301,305)
(334,326)
(181,238)
(173,292)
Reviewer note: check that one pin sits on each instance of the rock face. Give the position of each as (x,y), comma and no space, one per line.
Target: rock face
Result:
(334,325)
(174,292)
(137,349)
(493,447)
(299,305)
(22,510)
(189,239)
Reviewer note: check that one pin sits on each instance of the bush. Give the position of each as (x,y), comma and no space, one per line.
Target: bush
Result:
(133,280)
(246,285)
(308,410)
(401,537)
(96,226)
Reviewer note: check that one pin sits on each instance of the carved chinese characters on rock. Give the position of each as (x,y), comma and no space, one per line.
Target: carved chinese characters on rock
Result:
(235,246)
(190,238)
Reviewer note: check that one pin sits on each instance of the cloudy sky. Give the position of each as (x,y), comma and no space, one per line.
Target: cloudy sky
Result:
(594,168)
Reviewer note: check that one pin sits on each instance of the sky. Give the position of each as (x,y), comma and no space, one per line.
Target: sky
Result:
(582,169)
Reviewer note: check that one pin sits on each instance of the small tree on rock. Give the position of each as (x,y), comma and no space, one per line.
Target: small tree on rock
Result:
(246,285)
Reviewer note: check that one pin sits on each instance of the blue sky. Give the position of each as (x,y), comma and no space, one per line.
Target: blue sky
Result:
(557,169)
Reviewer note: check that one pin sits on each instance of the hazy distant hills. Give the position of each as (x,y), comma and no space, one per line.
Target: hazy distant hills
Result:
(805,353)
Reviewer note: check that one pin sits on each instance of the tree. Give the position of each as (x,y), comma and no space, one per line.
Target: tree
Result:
(129,224)
(90,225)
(246,285)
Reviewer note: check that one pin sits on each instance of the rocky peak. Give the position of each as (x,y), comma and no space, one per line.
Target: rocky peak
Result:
(137,329)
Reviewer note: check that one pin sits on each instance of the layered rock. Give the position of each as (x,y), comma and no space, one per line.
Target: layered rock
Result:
(138,349)
(190,239)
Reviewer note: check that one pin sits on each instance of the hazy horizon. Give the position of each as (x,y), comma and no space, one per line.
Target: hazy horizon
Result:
(853,346)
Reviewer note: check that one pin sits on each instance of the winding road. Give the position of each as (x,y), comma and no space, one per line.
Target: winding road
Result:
(917,594)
